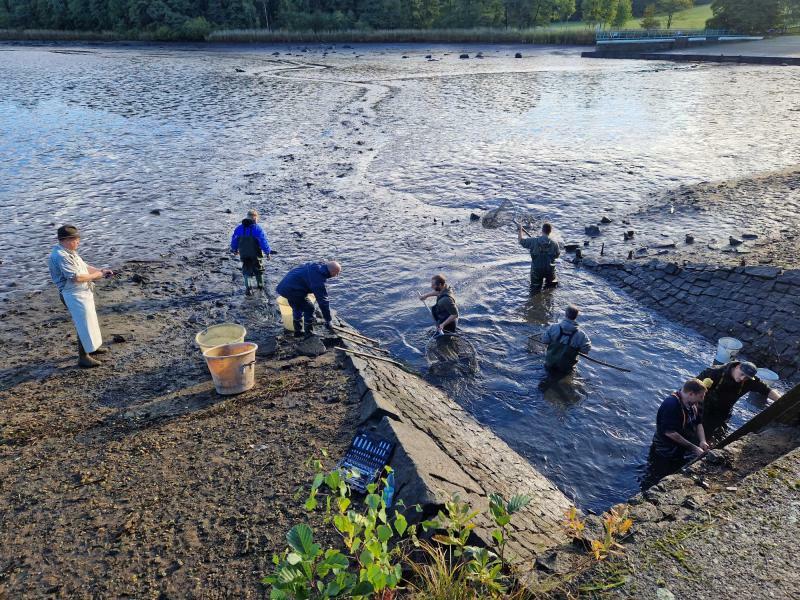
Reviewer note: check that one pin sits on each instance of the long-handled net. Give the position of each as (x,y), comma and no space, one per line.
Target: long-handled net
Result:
(451,351)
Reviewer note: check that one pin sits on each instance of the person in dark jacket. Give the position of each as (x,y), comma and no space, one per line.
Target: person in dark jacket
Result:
(679,434)
(445,309)
(250,242)
(301,281)
(544,252)
(730,382)
(564,342)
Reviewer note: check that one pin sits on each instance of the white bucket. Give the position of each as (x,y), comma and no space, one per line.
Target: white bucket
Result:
(768,377)
(233,367)
(727,349)
(217,335)
(286,311)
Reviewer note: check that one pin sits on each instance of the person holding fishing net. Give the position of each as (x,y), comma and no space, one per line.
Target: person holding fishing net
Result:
(544,252)
(565,341)
(445,309)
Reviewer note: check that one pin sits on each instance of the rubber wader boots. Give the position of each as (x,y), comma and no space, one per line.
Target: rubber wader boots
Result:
(298,328)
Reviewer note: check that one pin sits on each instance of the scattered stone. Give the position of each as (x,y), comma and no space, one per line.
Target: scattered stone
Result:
(228,211)
(455,221)
(689,238)
(467,182)
(155,211)
(404,56)
(605,220)
(571,247)
(474,217)
(118,339)
(749,236)
(518,55)
(463,56)
(734,241)
(592,230)
(238,70)
(311,346)
(428,56)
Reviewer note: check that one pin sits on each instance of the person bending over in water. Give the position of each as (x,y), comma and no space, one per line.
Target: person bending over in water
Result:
(544,252)
(251,244)
(444,310)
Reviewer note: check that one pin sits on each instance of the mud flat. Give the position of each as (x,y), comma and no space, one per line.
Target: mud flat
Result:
(136,479)
(737,276)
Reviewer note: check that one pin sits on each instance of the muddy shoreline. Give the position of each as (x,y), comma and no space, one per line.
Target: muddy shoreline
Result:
(135,478)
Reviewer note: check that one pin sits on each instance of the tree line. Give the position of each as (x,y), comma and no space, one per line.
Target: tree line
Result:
(194,19)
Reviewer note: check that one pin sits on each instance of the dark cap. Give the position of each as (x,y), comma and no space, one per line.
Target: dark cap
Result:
(66,232)
(748,369)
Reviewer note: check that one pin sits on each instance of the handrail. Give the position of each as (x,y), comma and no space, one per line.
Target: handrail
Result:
(645,34)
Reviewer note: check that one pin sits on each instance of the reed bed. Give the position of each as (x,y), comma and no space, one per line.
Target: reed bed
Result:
(562,35)
(581,36)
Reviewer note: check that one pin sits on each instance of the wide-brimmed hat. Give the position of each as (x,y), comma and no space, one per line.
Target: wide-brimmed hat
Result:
(66,232)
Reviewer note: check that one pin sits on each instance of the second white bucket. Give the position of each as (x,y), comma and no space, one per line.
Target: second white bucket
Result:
(286,311)
(727,349)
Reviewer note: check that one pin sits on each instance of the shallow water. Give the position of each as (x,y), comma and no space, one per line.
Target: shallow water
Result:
(368,157)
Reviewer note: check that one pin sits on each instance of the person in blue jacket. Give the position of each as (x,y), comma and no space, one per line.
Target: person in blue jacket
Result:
(250,242)
(301,281)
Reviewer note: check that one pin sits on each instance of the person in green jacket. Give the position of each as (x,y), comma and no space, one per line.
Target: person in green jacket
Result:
(544,252)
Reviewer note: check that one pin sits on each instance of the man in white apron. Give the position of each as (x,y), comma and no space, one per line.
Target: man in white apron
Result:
(74,278)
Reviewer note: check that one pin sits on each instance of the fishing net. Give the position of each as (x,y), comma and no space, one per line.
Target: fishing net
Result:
(451,351)
(504,215)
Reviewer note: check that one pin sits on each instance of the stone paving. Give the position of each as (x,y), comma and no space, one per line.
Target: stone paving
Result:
(759,305)
(443,451)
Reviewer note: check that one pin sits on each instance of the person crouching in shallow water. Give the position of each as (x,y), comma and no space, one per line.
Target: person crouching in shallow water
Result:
(74,279)
(445,309)
(251,244)
(301,281)
(565,340)
(679,432)
(544,253)
(729,382)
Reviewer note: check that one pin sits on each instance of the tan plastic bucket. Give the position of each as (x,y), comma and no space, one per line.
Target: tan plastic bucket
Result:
(286,311)
(233,367)
(218,335)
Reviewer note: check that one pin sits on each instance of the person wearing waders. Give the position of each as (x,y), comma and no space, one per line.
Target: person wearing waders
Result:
(564,342)
(250,242)
(301,281)
(679,432)
(74,280)
(729,382)
(544,252)
(444,310)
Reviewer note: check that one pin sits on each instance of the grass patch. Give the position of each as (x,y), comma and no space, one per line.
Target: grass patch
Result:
(672,545)
(691,18)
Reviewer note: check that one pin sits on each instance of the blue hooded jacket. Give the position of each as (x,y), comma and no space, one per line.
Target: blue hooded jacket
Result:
(249,227)
(308,279)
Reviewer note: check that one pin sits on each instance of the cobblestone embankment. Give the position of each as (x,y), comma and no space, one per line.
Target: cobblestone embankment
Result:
(441,451)
(759,305)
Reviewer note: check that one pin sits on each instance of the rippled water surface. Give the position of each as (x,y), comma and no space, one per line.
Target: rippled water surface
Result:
(377,160)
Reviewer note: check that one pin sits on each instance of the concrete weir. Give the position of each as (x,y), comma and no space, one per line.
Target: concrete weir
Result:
(441,450)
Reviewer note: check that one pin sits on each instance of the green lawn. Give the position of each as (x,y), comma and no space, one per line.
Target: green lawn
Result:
(691,18)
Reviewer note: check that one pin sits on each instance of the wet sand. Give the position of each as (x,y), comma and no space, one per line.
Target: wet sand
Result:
(137,479)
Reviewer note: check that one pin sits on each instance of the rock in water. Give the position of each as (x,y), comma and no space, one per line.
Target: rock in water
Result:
(734,241)
(155,211)
(592,230)
(606,221)
(689,238)
(518,55)
(238,70)
(473,217)
(463,56)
